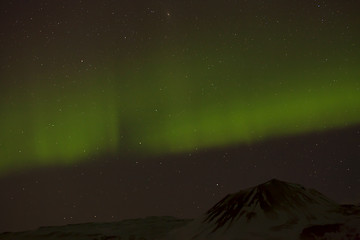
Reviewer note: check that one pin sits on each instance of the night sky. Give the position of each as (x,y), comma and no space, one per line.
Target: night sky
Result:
(122,109)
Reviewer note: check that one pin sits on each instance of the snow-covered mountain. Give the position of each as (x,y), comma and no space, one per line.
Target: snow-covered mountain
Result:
(274,210)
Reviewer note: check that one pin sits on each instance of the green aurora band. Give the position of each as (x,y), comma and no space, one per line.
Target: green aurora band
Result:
(165,103)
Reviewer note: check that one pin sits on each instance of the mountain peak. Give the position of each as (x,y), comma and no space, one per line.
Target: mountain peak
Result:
(267,200)
(274,180)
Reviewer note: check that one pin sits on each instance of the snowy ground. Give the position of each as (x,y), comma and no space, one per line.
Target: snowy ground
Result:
(150,228)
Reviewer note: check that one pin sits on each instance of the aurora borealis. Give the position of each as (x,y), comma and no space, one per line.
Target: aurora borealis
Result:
(89,88)
(81,80)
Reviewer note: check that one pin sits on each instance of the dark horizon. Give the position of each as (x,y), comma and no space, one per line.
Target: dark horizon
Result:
(116,190)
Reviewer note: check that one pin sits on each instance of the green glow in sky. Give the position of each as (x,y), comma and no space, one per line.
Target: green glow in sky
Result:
(167,115)
(176,97)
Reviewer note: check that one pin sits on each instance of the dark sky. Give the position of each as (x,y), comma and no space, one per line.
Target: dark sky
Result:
(121,109)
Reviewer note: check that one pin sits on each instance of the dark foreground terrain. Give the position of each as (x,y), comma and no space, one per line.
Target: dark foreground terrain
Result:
(134,229)
(274,210)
